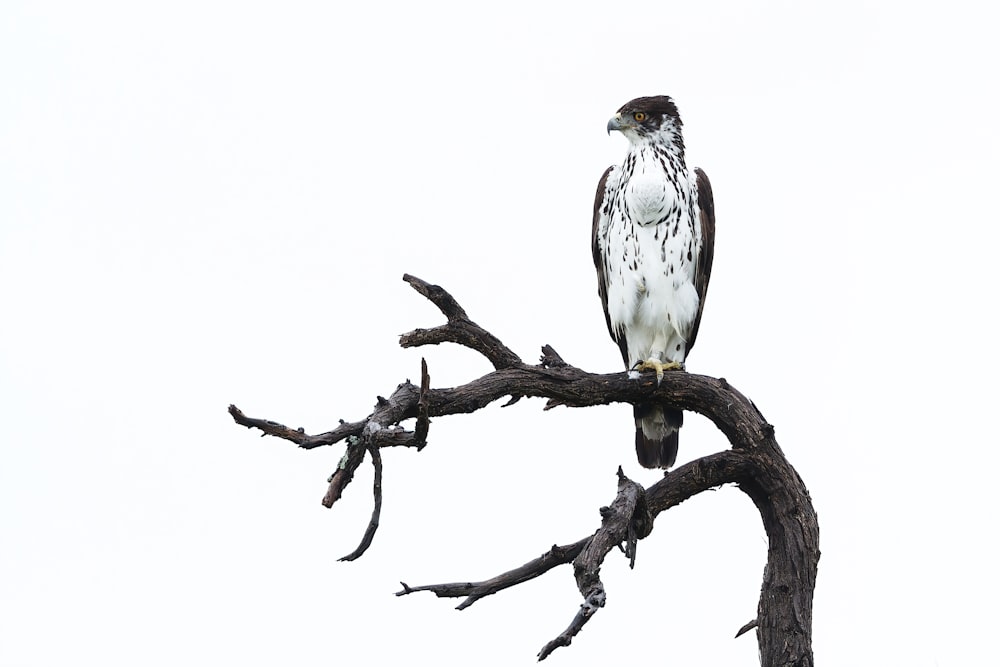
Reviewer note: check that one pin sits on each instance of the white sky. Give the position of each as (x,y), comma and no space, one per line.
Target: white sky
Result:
(213,202)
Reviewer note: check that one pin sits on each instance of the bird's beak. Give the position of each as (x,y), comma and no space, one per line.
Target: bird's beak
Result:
(615,123)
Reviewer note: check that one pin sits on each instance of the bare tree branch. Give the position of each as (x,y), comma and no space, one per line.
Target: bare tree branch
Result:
(423,408)
(746,628)
(625,520)
(459,329)
(298,436)
(755,464)
(366,540)
(474,591)
(684,482)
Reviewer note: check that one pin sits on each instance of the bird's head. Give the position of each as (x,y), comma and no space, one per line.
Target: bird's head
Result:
(649,119)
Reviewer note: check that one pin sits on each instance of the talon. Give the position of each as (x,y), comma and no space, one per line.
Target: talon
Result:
(658,366)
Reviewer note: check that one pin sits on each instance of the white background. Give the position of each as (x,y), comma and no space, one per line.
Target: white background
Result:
(204,203)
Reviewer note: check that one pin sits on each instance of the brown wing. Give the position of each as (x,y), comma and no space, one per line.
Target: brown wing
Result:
(602,279)
(706,209)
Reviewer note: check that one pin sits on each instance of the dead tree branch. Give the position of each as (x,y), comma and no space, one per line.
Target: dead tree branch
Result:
(755,464)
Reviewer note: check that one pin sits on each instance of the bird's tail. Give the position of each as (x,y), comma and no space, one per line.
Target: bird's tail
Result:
(656,434)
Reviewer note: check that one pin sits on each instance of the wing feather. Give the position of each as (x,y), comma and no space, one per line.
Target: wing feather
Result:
(595,246)
(703,270)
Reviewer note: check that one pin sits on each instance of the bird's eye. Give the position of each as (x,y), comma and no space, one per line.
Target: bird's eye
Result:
(639,116)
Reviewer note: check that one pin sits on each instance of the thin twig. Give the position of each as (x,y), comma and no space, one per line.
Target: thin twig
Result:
(746,628)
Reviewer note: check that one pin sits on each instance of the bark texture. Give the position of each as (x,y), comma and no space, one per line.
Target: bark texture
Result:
(755,464)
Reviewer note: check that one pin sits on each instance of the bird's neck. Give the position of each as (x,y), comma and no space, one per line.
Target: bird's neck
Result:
(669,154)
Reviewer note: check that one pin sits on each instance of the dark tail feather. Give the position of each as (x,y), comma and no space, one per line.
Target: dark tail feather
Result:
(656,435)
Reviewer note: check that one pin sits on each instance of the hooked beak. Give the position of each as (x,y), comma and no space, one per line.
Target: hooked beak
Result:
(615,123)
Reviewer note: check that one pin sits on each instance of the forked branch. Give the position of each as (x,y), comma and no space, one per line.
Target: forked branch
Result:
(755,464)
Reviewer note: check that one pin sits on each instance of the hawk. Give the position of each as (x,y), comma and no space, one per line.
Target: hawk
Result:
(653,237)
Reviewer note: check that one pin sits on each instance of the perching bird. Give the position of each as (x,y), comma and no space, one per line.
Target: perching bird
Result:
(653,238)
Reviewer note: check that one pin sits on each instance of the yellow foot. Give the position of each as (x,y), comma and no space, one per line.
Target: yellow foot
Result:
(658,366)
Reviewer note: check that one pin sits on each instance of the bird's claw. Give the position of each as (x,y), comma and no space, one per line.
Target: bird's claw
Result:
(658,366)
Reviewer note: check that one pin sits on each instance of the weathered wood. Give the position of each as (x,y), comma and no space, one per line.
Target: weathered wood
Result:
(755,464)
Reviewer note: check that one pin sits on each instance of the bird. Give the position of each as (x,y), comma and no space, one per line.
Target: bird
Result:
(653,240)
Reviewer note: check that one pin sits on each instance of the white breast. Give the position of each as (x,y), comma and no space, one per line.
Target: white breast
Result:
(648,197)
(652,299)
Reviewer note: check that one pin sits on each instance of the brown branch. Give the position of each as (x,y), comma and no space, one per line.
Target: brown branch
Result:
(746,628)
(459,329)
(298,436)
(619,524)
(474,591)
(550,358)
(345,471)
(379,430)
(684,482)
(756,464)
(369,535)
(423,409)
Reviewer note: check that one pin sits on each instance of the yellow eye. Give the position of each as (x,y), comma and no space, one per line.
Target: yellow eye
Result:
(639,116)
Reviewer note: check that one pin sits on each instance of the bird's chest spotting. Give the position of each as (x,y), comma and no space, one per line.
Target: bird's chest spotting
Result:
(650,248)
(650,197)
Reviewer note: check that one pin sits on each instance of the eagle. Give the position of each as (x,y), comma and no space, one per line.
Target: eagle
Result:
(653,238)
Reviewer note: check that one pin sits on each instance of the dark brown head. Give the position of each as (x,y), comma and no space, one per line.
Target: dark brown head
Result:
(649,119)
